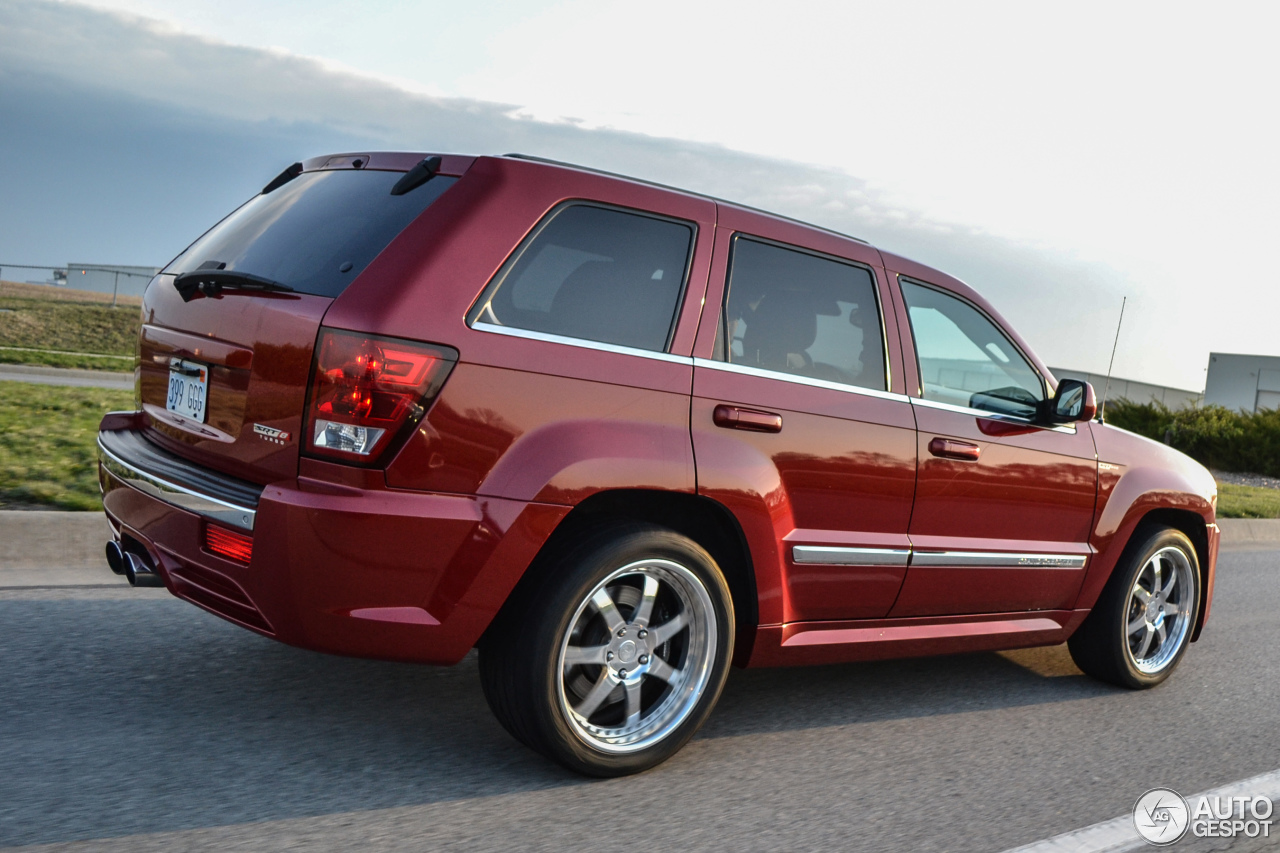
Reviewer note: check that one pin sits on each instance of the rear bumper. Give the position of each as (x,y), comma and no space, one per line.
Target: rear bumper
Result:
(371,572)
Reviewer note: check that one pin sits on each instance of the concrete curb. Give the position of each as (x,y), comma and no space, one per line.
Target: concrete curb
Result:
(1249,531)
(43,541)
(46,539)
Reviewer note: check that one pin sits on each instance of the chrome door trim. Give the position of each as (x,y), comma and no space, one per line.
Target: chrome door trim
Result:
(839,555)
(832,555)
(997,559)
(991,416)
(495,329)
(175,495)
(743,369)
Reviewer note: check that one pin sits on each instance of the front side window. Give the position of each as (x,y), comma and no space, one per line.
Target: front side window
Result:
(794,312)
(594,273)
(965,359)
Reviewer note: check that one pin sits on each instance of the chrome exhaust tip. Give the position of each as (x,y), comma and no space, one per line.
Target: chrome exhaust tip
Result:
(115,557)
(139,571)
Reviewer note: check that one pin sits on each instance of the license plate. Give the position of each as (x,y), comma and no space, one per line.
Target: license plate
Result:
(188,389)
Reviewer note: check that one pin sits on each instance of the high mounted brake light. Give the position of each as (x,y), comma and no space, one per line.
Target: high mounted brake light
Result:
(368,392)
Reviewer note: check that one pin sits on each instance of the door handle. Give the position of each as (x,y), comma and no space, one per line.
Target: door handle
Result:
(733,417)
(949,448)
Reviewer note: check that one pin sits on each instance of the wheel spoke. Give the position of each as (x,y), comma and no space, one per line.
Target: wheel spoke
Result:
(593,700)
(1160,632)
(645,609)
(608,610)
(1146,644)
(1168,588)
(1136,625)
(577,655)
(633,701)
(659,668)
(1171,609)
(667,630)
(1157,577)
(1141,594)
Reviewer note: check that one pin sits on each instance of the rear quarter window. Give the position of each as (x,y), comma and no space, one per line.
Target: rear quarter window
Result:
(594,273)
(317,232)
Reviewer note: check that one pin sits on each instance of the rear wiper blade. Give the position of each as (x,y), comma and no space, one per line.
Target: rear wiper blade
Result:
(211,282)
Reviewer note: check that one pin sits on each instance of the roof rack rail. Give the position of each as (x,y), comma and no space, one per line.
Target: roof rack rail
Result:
(581,168)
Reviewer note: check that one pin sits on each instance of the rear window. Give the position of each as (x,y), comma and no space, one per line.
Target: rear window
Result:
(594,273)
(315,233)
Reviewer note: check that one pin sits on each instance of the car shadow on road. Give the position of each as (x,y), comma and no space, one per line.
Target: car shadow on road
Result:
(126,717)
(766,700)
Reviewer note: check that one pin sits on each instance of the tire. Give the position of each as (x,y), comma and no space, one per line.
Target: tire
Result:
(613,656)
(1141,626)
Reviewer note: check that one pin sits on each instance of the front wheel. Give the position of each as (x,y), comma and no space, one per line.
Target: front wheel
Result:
(1142,623)
(618,657)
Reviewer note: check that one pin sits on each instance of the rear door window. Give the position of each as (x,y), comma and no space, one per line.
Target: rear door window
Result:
(965,359)
(809,315)
(594,273)
(317,232)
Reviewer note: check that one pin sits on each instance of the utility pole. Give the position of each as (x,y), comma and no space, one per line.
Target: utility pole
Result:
(115,291)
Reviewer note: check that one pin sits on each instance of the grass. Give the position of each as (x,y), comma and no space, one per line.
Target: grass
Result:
(47,451)
(1247,502)
(77,327)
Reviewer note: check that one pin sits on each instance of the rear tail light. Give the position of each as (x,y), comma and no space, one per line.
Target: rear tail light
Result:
(228,543)
(367,392)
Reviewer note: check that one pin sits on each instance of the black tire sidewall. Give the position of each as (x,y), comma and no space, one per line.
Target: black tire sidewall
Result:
(558,601)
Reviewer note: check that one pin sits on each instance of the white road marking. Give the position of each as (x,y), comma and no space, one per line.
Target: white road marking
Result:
(1119,834)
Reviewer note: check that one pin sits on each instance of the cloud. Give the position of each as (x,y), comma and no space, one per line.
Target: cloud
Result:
(125,139)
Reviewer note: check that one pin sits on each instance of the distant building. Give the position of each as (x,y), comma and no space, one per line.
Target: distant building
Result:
(1133,391)
(1243,382)
(105,278)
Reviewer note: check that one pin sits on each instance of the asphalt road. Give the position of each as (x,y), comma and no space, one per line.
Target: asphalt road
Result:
(66,376)
(128,713)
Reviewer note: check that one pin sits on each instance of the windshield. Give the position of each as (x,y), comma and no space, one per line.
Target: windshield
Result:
(316,233)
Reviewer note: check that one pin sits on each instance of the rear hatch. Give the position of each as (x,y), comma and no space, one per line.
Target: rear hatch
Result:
(223,376)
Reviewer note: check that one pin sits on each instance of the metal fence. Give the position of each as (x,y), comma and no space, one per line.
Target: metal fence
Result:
(115,272)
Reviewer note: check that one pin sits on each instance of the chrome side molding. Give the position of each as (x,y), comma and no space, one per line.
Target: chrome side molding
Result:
(835,556)
(832,555)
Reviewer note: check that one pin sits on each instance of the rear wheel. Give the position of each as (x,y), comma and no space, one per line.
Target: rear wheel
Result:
(1141,625)
(611,667)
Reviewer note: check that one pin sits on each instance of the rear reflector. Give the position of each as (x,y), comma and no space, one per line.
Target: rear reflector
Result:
(228,543)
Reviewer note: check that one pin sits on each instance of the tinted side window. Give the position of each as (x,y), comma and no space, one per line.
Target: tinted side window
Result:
(798,313)
(594,273)
(965,359)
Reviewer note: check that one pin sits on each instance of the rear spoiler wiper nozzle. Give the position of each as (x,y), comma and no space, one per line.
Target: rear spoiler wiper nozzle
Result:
(211,282)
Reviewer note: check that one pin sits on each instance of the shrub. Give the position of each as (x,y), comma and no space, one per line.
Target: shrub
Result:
(1212,435)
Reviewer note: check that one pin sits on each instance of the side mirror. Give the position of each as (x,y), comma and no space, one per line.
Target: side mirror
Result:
(1074,401)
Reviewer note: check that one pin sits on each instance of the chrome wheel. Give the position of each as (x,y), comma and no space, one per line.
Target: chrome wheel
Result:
(637,657)
(1160,606)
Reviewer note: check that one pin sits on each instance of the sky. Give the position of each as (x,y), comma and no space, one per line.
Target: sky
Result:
(1056,157)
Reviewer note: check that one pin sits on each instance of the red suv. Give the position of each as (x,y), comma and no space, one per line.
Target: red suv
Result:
(618,436)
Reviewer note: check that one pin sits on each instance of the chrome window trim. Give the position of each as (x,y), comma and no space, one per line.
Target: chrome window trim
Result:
(992,416)
(511,331)
(729,367)
(176,495)
(997,559)
(832,555)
